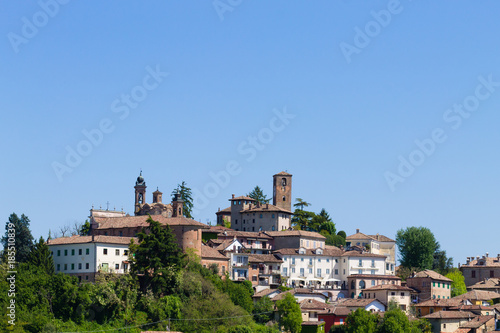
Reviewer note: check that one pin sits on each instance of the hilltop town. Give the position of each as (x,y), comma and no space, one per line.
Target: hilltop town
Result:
(263,246)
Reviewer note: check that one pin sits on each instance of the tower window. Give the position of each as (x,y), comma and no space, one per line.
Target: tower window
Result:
(140,198)
(284,198)
(283,181)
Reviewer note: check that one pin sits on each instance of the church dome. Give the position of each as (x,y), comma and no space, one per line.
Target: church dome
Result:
(140,180)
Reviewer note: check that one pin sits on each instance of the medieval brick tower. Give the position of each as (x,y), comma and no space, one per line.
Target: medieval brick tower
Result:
(282,190)
(140,193)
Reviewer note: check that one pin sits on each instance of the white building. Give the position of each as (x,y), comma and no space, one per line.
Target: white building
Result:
(85,256)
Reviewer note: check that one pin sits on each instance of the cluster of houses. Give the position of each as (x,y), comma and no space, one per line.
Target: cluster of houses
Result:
(327,281)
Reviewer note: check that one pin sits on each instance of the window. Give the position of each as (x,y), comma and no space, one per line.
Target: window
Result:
(360,263)
(473,274)
(310,261)
(117,252)
(362,284)
(87,251)
(260,215)
(58,253)
(236,221)
(72,266)
(293,261)
(360,271)
(373,271)
(319,259)
(121,233)
(341,321)
(439,284)
(492,274)
(272,228)
(254,278)
(433,284)
(80,251)
(105,251)
(87,266)
(327,260)
(293,270)
(284,198)
(373,263)
(285,271)
(65,252)
(318,272)
(223,269)
(307,243)
(86,277)
(272,216)
(301,272)
(314,244)
(302,259)
(125,252)
(373,282)
(58,267)
(336,271)
(310,270)
(393,293)
(117,266)
(80,266)
(72,252)
(65,267)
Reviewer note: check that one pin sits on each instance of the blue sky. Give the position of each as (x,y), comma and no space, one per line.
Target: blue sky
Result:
(355,85)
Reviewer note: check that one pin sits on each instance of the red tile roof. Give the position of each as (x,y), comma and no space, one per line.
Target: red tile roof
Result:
(242,198)
(210,253)
(312,304)
(431,274)
(450,315)
(91,239)
(140,221)
(263,258)
(479,295)
(295,233)
(388,287)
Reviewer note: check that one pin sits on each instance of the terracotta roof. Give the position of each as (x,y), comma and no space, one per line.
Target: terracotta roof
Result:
(283,173)
(209,252)
(282,295)
(242,198)
(388,287)
(261,258)
(225,244)
(216,228)
(265,208)
(309,252)
(462,330)
(450,315)
(381,238)
(140,221)
(245,234)
(491,283)
(308,291)
(336,310)
(88,239)
(471,308)
(377,237)
(484,262)
(431,274)
(445,303)
(225,210)
(479,295)
(295,233)
(264,293)
(357,302)
(310,304)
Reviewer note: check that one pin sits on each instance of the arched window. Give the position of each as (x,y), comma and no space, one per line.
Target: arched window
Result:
(283,181)
(284,198)
(362,284)
(140,198)
(353,285)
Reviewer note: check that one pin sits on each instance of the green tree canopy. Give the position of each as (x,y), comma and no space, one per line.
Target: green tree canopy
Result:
(290,316)
(85,229)
(361,321)
(302,220)
(41,257)
(263,310)
(23,239)
(301,203)
(187,197)
(458,285)
(417,246)
(258,194)
(441,264)
(157,259)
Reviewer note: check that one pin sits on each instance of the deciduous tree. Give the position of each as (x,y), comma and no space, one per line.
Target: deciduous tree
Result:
(290,317)
(416,247)
(458,285)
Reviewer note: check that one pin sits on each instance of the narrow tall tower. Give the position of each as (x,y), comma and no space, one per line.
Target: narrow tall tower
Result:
(282,190)
(177,205)
(140,193)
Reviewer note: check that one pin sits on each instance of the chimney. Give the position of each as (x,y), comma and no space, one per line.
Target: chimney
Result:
(92,237)
(267,206)
(232,196)
(487,254)
(357,231)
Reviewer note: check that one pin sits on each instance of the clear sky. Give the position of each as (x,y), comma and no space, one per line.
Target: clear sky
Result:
(385,112)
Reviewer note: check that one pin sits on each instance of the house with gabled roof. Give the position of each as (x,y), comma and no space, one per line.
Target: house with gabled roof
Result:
(387,293)
(430,285)
(311,307)
(376,244)
(490,284)
(211,256)
(477,269)
(448,321)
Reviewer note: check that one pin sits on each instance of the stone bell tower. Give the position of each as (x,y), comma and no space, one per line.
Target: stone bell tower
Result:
(140,193)
(282,190)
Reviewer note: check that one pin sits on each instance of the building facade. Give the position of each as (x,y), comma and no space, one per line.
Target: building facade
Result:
(430,285)
(87,256)
(376,244)
(477,269)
